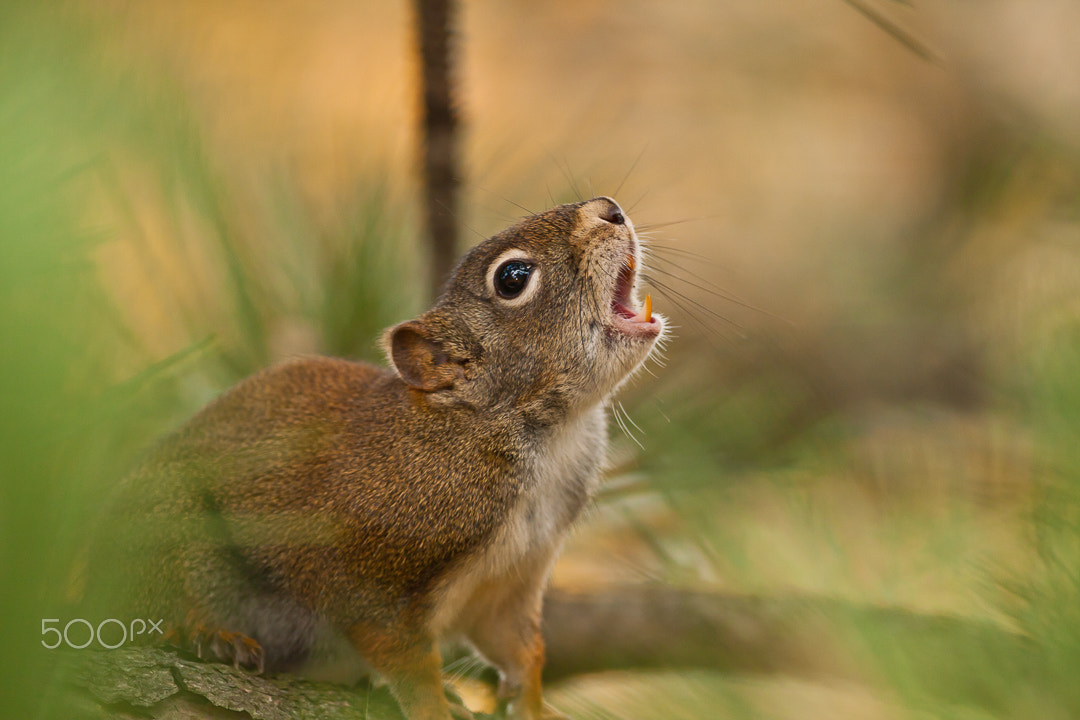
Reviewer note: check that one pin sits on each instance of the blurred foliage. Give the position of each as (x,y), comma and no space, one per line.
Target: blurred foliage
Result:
(81,392)
(955,488)
(56,323)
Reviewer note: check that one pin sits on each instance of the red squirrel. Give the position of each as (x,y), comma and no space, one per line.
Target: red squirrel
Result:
(331,517)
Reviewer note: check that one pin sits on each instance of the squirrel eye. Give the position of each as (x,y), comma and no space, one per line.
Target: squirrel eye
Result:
(512,277)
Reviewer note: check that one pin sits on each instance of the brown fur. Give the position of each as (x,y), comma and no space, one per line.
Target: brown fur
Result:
(324,507)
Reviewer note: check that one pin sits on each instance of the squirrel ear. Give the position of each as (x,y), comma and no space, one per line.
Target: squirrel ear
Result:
(421,361)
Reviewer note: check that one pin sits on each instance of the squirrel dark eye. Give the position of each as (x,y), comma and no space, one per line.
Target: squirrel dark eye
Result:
(512,277)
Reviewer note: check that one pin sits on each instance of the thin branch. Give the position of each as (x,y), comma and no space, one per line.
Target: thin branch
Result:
(435,21)
(898,33)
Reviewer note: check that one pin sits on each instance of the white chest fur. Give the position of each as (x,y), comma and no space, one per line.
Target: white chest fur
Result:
(562,478)
(559,478)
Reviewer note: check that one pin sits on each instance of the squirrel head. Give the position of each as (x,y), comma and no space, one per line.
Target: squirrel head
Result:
(542,319)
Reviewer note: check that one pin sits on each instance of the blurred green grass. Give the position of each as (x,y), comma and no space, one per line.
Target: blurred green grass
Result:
(55,319)
(82,392)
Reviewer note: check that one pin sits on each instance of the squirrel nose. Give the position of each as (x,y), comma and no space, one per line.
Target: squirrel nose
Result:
(606,209)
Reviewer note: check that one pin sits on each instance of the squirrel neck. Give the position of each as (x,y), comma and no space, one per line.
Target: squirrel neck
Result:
(561,467)
(553,443)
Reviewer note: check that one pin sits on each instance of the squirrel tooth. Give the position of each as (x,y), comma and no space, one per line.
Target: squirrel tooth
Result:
(630,262)
(644,313)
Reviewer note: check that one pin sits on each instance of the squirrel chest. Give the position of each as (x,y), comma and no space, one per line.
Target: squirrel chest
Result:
(559,472)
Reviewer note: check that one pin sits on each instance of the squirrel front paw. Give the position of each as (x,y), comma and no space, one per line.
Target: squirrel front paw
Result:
(228,647)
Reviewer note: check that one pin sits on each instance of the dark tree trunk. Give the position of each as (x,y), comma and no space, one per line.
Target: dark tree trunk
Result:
(435,19)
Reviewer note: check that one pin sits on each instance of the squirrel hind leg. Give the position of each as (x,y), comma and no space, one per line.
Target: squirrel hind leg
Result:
(227,646)
(261,633)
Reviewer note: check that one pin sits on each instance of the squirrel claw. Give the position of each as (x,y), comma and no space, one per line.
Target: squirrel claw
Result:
(227,646)
(196,637)
(248,653)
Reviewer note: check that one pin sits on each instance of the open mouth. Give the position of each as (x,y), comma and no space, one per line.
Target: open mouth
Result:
(629,318)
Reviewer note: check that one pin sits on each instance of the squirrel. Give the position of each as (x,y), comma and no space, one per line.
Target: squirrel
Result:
(333,518)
